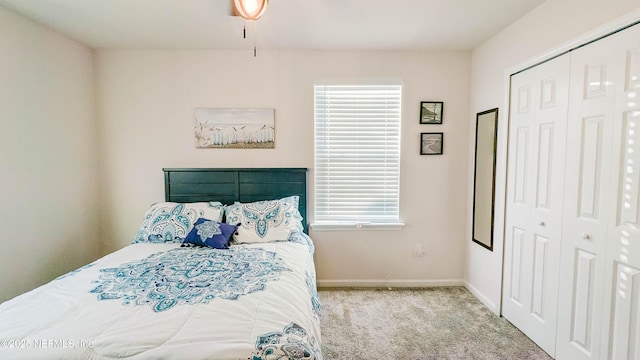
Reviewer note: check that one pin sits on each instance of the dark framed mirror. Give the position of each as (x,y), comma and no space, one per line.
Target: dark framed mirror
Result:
(484,177)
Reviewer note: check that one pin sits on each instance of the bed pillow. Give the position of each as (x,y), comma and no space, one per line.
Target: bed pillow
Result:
(171,222)
(213,234)
(264,221)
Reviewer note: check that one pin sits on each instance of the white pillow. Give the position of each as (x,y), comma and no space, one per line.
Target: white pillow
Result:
(264,221)
(171,222)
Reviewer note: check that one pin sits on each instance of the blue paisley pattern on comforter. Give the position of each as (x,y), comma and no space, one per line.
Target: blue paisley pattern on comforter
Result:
(187,276)
(293,343)
(310,279)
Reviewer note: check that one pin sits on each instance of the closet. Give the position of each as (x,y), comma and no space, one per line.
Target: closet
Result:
(572,229)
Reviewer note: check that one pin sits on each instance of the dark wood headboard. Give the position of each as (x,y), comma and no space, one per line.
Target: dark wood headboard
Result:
(243,185)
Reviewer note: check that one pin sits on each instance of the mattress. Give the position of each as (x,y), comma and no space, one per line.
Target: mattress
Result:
(163,301)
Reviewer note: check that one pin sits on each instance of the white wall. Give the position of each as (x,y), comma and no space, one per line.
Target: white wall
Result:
(48,166)
(550,26)
(146,101)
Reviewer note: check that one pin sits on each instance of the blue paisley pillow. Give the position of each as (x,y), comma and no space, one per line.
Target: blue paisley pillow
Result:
(210,233)
(171,222)
(265,221)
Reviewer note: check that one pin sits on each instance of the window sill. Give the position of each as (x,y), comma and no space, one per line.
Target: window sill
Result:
(357,226)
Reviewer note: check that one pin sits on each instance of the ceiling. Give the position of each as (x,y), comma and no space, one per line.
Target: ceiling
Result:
(287,24)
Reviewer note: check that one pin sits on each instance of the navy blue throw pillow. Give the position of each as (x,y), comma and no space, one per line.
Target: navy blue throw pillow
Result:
(210,233)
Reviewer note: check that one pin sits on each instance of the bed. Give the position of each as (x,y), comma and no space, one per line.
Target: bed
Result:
(178,291)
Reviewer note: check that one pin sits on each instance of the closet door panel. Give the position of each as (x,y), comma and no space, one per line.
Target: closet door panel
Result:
(590,168)
(535,174)
(516,268)
(522,164)
(622,265)
(582,315)
(545,166)
(597,319)
(589,154)
(624,335)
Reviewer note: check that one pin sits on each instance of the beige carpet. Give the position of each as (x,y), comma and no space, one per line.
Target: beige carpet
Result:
(433,323)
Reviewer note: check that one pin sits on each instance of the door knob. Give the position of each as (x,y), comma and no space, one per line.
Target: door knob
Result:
(541,223)
(586,236)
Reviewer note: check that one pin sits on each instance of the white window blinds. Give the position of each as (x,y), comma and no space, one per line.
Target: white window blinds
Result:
(357,153)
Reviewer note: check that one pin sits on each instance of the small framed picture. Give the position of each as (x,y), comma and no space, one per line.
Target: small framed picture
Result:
(431,112)
(431,143)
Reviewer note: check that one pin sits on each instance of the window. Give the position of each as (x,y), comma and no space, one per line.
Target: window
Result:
(357,154)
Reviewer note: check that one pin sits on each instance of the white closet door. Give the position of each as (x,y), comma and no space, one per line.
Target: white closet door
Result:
(600,261)
(589,151)
(537,125)
(621,323)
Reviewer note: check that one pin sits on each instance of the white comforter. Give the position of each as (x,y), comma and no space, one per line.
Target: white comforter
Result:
(160,301)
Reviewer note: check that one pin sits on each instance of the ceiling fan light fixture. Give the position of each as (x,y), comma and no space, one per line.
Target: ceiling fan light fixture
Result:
(250,9)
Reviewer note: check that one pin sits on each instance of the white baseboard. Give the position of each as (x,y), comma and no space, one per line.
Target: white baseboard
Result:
(383,283)
(483,299)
